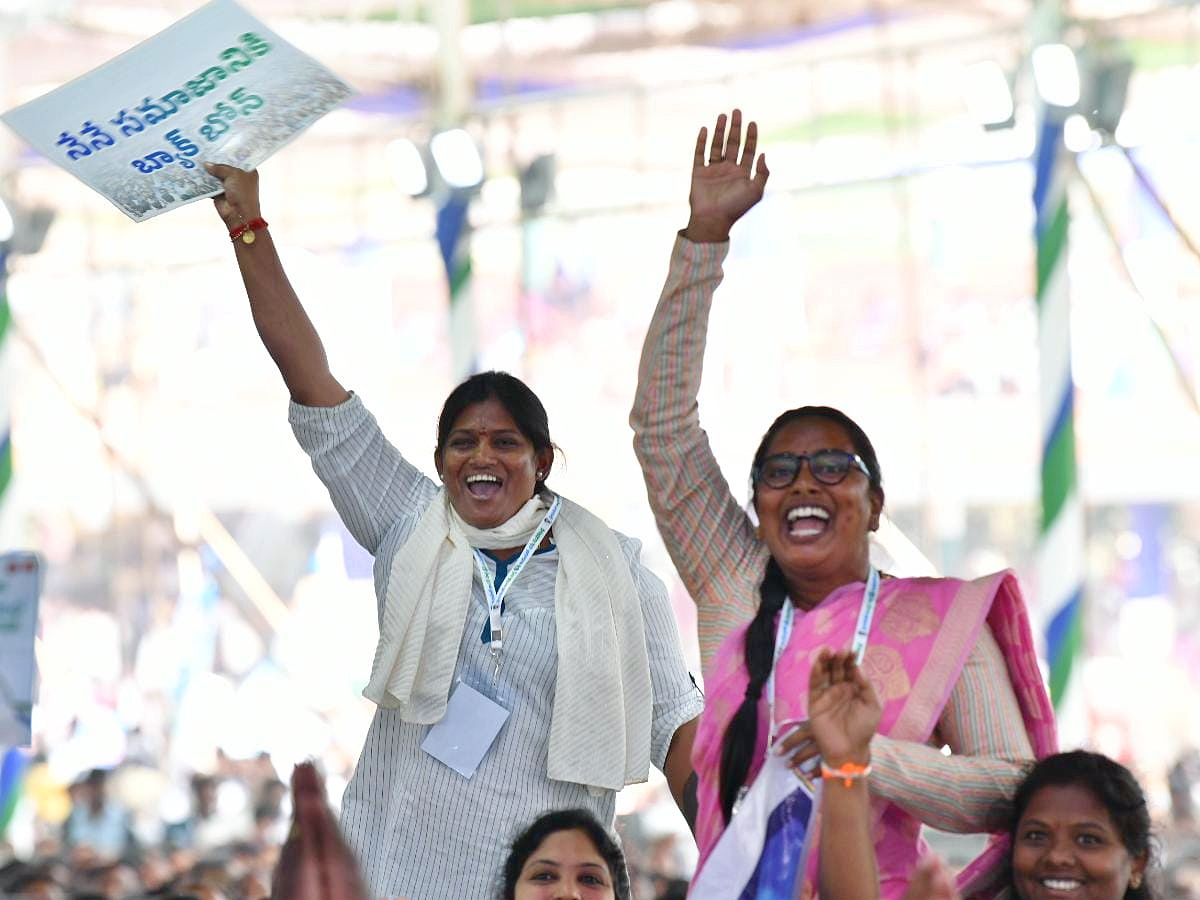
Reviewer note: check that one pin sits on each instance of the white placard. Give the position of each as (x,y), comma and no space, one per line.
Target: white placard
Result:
(217,86)
(20,584)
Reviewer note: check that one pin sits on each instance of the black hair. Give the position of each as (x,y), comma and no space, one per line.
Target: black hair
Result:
(518,400)
(566,820)
(862,444)
(1113,785)
(737,750)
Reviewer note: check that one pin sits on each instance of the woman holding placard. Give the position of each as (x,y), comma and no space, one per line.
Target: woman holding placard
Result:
(527,661)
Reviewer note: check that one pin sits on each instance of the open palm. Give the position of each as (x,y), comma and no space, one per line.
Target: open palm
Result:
(843,709)
(725,180)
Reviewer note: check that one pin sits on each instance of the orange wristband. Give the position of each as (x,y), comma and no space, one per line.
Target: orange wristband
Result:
(846,773)
(246,230)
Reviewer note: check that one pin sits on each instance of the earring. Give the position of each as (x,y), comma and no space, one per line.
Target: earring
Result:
(1135,882)
(541,475)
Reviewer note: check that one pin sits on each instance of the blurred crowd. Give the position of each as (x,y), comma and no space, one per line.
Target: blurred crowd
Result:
(106,837)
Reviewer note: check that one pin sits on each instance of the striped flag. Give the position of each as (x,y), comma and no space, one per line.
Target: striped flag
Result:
(453,237)
(5,419)
(13,764)
(1060,551)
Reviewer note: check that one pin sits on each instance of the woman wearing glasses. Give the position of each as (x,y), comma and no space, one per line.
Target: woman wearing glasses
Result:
(953,662)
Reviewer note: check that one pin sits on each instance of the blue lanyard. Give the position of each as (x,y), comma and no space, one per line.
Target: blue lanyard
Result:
(495,595)
(783,633)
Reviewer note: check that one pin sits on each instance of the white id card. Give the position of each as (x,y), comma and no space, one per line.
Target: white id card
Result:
(467,731)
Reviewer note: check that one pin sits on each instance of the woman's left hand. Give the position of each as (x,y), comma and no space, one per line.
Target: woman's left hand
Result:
(797,745)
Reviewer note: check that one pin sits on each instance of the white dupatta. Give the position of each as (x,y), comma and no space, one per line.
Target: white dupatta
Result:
(603,702)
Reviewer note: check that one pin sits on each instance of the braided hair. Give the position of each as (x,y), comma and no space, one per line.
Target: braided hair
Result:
(737,748)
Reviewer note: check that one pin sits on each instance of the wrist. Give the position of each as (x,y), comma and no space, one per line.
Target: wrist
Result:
(854,756)
(234,219)
(245,231)
(707,231)
(848,774)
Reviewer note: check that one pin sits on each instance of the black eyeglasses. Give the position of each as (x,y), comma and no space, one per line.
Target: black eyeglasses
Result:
(827,466)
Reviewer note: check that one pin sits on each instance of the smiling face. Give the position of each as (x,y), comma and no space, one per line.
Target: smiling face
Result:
(490,468)
(566,864)
(1066,847)
(817,531)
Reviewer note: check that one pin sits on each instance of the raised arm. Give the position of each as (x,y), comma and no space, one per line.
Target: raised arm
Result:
(282,323)
(843,713)
(704,528)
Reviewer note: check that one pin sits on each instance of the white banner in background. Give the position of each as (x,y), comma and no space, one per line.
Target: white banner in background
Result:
(20,584)
(217,86)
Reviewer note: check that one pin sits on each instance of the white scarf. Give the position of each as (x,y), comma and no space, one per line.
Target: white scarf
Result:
(603,702)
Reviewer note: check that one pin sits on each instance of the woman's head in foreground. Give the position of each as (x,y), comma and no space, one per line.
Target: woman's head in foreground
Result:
(493,447)
(1081,831)
(565,853)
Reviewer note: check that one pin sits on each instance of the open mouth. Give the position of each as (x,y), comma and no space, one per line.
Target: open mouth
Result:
(1064,886)
(807,521)
(483,487)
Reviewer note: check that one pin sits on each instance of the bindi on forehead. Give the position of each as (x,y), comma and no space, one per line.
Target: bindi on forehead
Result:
(484,429)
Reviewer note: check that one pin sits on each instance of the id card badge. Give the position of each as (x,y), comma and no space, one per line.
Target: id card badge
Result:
(465,734)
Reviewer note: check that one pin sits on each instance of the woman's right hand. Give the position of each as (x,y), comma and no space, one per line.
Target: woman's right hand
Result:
(239,202)
(724,184)
(843,709)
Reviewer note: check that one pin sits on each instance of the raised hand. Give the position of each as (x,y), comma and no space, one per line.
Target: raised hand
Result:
(239,203)
(726,182)
(843,709)
(314,862)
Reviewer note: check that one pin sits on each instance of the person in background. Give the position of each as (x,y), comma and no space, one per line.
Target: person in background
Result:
(954,662)
(209,826)
(98,829)
(578,666)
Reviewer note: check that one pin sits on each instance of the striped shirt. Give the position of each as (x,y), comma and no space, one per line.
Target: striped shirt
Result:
(419,829)
(721,562)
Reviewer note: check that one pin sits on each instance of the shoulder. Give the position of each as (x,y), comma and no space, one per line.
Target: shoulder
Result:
(984,587)
(591,527)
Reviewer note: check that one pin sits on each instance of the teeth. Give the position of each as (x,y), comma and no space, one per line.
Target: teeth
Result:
(1061,884)
(472,479)
(807,512)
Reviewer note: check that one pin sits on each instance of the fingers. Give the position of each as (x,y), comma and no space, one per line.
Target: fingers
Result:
(219,170)
(717,153)
(327,868)
(831,667)
(735,137)
(794,739)
(761,173)
(725,147)
(701,140)
(751,146)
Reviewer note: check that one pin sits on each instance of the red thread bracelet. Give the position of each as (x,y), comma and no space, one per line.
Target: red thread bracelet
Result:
(246,230)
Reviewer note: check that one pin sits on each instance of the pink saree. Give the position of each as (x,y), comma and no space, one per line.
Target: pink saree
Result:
(924,630)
